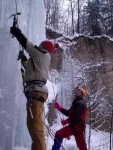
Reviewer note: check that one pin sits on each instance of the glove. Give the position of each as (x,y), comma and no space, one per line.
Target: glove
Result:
(15,31)
(57,106)
(21,53)
(22,56)
(64,122)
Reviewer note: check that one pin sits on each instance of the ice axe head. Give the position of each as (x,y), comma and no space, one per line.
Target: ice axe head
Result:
(15,18)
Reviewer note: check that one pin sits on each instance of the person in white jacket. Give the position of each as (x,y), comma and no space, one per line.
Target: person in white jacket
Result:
(35,78)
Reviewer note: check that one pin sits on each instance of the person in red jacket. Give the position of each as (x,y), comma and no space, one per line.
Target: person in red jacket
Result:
(75,121)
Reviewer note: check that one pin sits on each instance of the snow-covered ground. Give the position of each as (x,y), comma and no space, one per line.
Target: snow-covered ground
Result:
(20,148)
(99,140)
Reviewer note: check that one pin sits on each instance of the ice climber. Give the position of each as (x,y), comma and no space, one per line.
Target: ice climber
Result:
(75,123)
(35,78)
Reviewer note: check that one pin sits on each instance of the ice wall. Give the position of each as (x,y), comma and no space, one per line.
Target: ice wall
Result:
(12,102)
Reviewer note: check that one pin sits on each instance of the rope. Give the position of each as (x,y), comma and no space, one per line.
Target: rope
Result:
(54,102)
(52,135)
(52,112)
(16,11)
(20,47)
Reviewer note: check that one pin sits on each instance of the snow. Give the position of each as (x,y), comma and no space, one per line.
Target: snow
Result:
(52,88)
(1,96)
(76,35)
(20,148)
(99,140)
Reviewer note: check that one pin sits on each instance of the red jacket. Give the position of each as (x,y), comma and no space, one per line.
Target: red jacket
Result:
(77,112)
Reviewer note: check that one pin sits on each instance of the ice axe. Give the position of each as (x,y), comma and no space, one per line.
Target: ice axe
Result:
(15,18)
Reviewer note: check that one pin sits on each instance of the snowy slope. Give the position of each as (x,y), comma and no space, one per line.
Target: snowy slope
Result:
(97,140)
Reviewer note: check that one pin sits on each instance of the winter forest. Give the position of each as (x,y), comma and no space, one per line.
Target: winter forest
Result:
(89,17)
(82,31)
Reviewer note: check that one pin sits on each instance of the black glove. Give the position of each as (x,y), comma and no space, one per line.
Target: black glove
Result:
(19,35)
(15,31)
(22,56)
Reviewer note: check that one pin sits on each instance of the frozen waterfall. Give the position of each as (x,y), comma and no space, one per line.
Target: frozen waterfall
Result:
(13,131)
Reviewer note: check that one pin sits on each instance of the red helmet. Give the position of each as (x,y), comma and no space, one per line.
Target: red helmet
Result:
(49,45)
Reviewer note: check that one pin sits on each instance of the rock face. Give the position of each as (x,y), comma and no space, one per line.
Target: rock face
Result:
(56,60)
(96,55)
(94,58)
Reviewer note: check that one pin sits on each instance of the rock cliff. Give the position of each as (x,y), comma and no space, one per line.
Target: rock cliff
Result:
(91,65)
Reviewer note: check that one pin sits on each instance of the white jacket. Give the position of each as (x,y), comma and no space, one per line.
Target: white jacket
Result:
(37,67)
